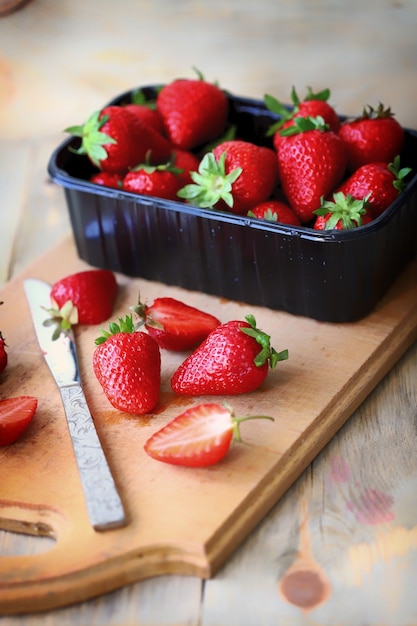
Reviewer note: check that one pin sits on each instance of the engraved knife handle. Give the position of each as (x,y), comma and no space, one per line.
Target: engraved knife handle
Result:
(104,506)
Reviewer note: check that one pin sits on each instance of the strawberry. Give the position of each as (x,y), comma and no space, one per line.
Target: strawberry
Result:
(235,176)
(193,111)
(175,325)
(85,297)
(311,162)
(15,416)
(380,183)
(275,211)
(375,136)
(343,213)
(313,105)
(199,437)
(233,359)
(115,140)
(127,364)
(3,354)
(162,181)
(187,162)
(146,111)
(108,179)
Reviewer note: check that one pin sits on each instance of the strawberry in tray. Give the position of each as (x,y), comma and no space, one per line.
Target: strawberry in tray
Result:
(175,325)
(313,105)
(234,358)
(234,177)
(275,211)
(311,162)
(342,213)
(127,364)
(161,181)
(194,111)
(375,136)
(115,139)
(199,437)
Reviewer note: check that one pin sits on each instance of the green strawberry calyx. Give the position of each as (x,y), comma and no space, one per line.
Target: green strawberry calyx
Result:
(267,354)
(92,139)
(305,124)
(124,325)
(211,183)
(161,167)
(399,173)
(344,208)
(371,113)
(286,112)
(61,318)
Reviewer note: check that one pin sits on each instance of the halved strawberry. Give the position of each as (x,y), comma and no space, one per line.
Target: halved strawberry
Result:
(15,416)
(175,325)
(3,354)
(199,437)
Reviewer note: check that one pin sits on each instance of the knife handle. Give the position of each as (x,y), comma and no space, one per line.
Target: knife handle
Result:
(104,506)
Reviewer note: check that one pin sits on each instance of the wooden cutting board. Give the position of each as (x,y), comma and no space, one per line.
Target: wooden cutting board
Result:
(180,520)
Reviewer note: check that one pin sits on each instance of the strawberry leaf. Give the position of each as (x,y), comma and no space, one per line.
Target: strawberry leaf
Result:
(267,353)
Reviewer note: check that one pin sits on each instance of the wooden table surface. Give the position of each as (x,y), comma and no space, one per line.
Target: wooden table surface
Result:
(340,547)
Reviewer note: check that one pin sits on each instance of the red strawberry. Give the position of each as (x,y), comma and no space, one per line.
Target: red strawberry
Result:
(343,213)
(146,111)
(199,437)
(82,298)
(275,211)
(375,136)
(108,179)
(175,325)
(3,354)
(311,162)
(193,111)
(380,183)
(15,416)
(314,105)
(127,364)
(115,140)
(234,358)
(235,176)
(187,162)
(161,181)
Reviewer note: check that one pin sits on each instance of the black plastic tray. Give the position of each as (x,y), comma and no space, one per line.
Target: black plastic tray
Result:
(335,276)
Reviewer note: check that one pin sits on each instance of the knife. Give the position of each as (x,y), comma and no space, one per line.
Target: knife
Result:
(104,505)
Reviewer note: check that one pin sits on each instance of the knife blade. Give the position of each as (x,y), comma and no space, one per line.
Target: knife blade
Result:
(104,506)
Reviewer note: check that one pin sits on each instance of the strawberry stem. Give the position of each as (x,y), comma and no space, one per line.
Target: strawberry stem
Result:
(237,421)
(267,353)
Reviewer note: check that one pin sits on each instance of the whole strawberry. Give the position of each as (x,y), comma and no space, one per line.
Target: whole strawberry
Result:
(186,162)
(235,358)
(313,105)
(342,213)
(108,179)
(127,364)
(161,181)
(193,111)
(3,354)
(380,183)
(175,325)
(85,297)
(275,211)
(146,110)
(115,140)
(375,136)
(311,162)
(234,177)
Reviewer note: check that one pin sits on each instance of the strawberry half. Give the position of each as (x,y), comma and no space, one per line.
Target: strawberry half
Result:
(127,364)
(233,359)
(175,325)
(199,437)
(82,298)
(15,416)
(3,354)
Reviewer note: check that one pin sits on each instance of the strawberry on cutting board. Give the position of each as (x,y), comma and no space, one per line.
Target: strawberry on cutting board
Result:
(193,111)
(115,139)
(234,358)
(199,437)
(85,297)
(175,325)
(127,364)
(375,136)
(15,416)
(3,354)
(235,176)
(311,162)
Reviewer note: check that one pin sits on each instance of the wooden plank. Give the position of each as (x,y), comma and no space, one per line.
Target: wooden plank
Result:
(180,521)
